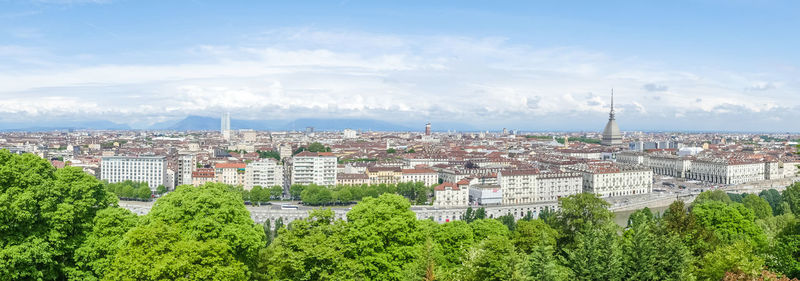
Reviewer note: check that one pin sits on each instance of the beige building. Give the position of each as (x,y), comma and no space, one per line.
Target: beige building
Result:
(352,179)
(387,175)
(532,186)
(450,194)
(607,179)
(200,176)
(427,176)
(230,173)
(727,171)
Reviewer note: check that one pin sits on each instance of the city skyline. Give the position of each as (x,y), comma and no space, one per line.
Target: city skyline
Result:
(714,66)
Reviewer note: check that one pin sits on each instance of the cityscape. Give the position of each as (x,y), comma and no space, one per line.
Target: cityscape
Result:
(393,152)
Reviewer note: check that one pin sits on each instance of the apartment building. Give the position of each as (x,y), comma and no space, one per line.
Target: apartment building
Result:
(186,163)
(230,173)
(427,176)
(387,175)
(149,169)
(532,186)
(201,176)
(606,179)
(314,167)
(450,194)
(264,173)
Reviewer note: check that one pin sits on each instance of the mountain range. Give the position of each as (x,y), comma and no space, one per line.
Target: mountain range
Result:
(205,123)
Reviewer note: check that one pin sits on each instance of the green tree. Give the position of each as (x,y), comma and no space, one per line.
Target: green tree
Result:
(677,220)
(455,238)
(310,249)
(295,190)
(192,233)
(276,192)
(94,256)
(468,216)
(45,214)
(785,252)
(594,254)
(508,220)
(492,259)
(792,197)
(580,213)
(484,228)
(542,264)
(161,189)
(258,195)
(316,195)
(737,256)
(269,154)
(716,195)
(649,253)
(729,222)
(758,205)
(391,150)
(775,200)
(533,234)
(388,237)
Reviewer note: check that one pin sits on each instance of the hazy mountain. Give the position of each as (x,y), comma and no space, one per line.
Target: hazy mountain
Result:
(63,125)
(197,123)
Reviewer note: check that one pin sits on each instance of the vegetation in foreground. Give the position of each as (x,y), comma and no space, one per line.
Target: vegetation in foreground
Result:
(65,225)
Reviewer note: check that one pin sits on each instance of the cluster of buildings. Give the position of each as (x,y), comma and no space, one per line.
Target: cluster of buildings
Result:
(474,168)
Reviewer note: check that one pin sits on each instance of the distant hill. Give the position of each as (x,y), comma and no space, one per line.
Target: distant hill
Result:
(63,125)
(341,124)
(203,123)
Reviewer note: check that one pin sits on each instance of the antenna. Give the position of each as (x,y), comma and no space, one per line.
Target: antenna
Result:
(611,115)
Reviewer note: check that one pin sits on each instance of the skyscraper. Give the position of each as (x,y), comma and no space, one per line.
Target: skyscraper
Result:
(611,134)
(428,129)
(225,127)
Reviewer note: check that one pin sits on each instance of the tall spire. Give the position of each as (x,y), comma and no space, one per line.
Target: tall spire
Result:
(611,115)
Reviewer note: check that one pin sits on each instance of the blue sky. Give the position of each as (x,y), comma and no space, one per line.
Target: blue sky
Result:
(534,65)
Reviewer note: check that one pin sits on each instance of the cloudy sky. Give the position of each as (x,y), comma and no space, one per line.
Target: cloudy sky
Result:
(729,65)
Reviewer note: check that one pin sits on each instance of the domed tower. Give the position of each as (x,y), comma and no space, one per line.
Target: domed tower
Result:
(611,134)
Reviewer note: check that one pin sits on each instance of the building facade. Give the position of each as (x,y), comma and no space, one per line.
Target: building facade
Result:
(314,167)
(532,186)
(149,169)
(264,172)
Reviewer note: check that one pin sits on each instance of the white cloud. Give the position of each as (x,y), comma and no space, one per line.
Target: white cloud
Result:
(292,73)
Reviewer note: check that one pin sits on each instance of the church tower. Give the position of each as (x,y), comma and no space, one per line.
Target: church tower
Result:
(611,134)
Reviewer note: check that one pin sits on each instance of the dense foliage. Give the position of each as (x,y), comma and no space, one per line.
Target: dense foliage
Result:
(132,190)
(65,225)
(316,195)
(269,154)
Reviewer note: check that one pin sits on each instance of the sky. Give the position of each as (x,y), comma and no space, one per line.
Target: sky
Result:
(531,65)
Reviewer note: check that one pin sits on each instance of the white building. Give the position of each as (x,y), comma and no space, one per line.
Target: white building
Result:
(726,171)
(186,164)
(225,126)
(149,169)
(427,176)
(486,194)
(607,179)
(264,173)
(450,194)
(532,186)
(349,134)
(314,167)
(248,136)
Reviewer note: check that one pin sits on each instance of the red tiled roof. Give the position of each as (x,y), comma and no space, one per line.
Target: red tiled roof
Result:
(230,165)
(418,171)
(445,185)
